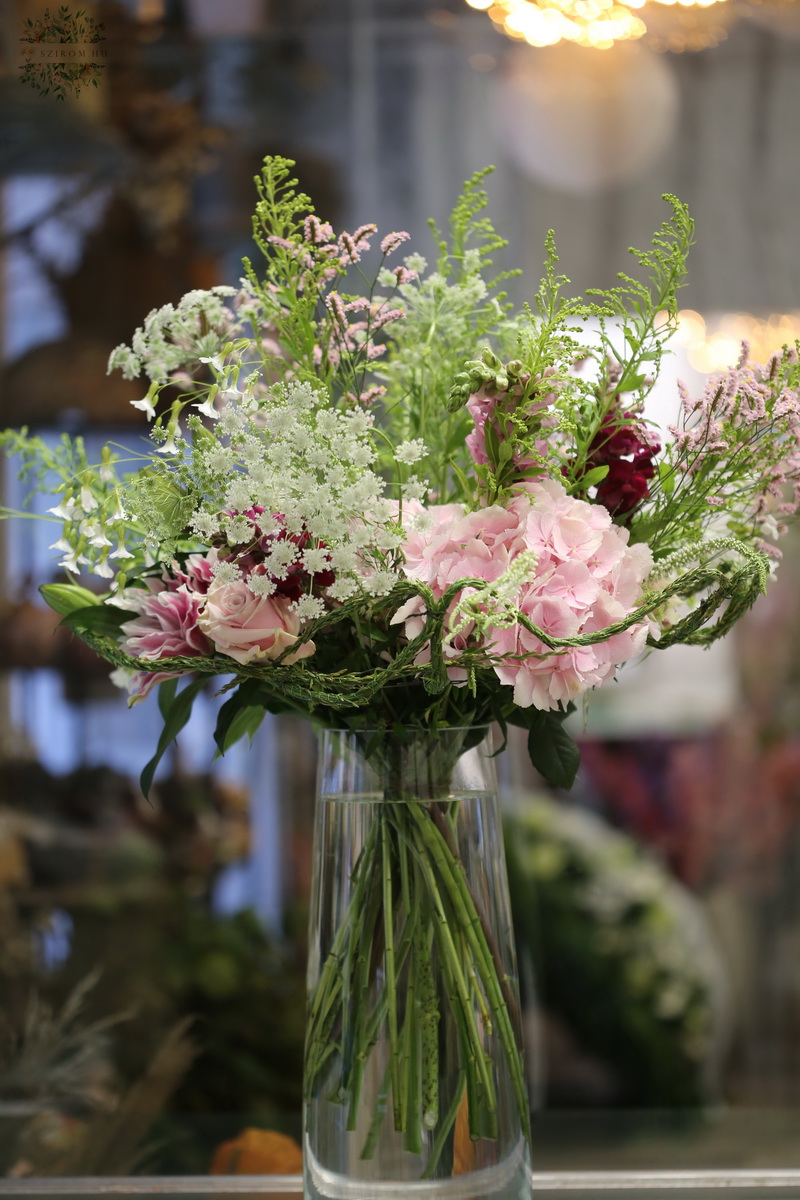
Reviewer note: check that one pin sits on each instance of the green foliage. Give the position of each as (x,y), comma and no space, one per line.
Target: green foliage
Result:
(67,598)
(639,305)
(602,920)
(176,708)
(163,500)
(450,313)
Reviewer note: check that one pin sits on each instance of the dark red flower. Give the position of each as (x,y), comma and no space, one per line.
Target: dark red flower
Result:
(626,484)
(250,559)
(619,444)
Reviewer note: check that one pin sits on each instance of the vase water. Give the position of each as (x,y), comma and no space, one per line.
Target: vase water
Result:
(414,1081)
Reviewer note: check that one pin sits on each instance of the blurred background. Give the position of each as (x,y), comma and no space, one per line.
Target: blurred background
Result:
(152,955)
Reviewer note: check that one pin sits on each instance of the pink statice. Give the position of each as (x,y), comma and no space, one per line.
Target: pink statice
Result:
(741,438)
(586,578)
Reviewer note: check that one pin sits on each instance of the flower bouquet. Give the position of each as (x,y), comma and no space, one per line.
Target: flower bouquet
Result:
(386,501)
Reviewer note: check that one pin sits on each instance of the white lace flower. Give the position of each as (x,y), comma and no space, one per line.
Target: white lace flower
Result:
(411,451)
(315,560)
(261,585)
(308,607)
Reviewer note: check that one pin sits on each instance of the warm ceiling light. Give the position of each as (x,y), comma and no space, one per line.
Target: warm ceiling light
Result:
(715,345)
(601,23)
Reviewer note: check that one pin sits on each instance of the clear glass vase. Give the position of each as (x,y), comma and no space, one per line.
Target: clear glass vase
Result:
(414,1080)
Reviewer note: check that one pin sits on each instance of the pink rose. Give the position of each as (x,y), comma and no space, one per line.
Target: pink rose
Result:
(248,627)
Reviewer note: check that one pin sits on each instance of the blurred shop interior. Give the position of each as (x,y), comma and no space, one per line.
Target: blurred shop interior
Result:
(152,954)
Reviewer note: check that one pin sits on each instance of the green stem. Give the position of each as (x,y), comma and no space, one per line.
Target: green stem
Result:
(461,898)
(391,978)
(377,1118)
(429,1023)
(452,959)
(445,1127)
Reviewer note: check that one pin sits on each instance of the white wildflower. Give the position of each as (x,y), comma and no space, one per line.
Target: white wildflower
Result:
(145,405)
(411,451)
(215,361)
(94,533)
(87,501)
(169,446)
(74,561)
(308,607)
(67,510)
(342,588)
(415,489)
(119,513)
(261,585)
(207,409)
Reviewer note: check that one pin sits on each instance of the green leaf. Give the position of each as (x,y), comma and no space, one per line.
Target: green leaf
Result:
(552,751)
(166,695)
(66,598)
(667,475)
(244,724)
(592,477)
(176,715)
(97,618)
(491,442)
(237,717)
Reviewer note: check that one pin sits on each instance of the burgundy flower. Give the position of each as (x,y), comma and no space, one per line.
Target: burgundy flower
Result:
(622,445)
(626,484)
(250,558)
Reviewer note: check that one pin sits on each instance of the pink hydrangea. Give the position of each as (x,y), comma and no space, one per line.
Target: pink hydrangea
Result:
(586,578)
(247,627)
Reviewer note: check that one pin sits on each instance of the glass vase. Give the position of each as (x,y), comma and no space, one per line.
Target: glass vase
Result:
(414,1084)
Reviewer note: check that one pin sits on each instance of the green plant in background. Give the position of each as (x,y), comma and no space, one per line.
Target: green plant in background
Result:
(621,952)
